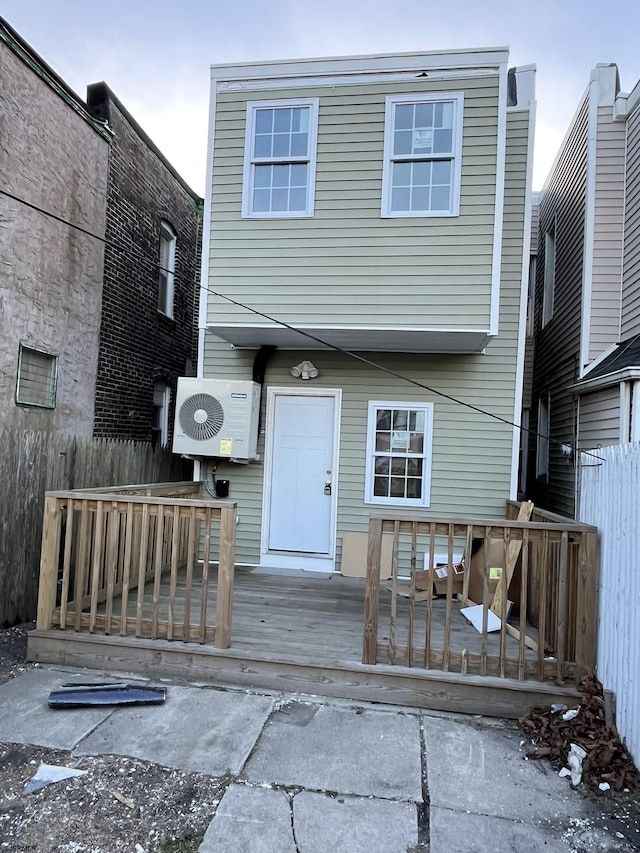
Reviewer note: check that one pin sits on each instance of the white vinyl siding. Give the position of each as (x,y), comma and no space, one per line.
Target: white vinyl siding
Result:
(599,418)
(631,273)
(36,382)
(279,158)
(608,229)
(346,254)
(398,467)
(422,155)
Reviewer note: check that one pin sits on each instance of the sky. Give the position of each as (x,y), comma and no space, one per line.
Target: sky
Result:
(156,55)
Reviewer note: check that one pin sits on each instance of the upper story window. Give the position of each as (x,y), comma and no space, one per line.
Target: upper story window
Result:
(280,158)
(422,155)
(37,374)
(549,274)
(398,469)
(167,264)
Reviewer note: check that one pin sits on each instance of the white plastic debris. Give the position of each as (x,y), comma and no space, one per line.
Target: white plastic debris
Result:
(574,760)
(571,714)
(47,774)
(604,786)
(557,707)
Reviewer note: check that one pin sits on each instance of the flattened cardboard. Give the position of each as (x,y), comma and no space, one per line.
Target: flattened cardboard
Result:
(496,561)
(354,555)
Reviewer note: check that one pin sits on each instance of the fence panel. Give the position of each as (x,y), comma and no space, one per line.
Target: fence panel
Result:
(610,499)
(32,463)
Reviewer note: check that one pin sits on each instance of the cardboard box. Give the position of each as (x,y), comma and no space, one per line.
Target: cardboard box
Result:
(354,555)
(496,567)
(441,583)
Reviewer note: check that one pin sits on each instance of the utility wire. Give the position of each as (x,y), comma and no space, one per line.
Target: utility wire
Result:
(349,353)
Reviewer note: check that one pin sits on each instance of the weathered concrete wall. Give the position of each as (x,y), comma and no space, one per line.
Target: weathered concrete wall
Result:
(50,274)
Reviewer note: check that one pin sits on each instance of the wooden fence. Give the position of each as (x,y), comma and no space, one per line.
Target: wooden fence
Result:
(32,463)
(557,581)
(125,561)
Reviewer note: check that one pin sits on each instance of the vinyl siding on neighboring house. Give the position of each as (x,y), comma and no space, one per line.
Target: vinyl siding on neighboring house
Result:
(433,271)
(631,275)
(472,453)
(558,343)
(608,231)
(599,418)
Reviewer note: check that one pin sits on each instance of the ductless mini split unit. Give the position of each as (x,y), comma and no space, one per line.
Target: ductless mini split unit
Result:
(217,418)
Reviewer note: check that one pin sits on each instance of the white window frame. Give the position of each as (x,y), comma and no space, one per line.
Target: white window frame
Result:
(161,402)
(167,268)
(250,161)
(25,384)
(548,295)
(455,158)
(542,437)
(426,455)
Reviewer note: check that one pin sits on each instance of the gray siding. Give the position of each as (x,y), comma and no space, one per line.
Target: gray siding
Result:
(599,419)
(631,276)
(471,452)
(558,343)
(438,270)
(607,234)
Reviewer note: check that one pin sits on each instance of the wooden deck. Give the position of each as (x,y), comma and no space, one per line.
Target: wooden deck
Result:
(304,633)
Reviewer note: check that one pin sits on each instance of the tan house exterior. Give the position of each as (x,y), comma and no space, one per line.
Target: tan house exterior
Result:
(587,299)
(370,215)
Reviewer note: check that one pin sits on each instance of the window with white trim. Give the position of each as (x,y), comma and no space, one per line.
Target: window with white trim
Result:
(399,439)
(36,381)
(549,274)
(280,158)
(542,438)
(422,155)
(160,426)
(167,264)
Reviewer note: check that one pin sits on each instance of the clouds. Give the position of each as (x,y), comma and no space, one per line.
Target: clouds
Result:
(156,57)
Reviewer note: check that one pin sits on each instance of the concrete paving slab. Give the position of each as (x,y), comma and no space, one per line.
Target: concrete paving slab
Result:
(456,832)
(353,824)
(250,820)
(346,750)
(480,769)
(209,731)
(25,716)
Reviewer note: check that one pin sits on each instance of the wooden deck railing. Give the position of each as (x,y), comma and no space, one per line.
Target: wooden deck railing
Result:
(552,637)
(111,560)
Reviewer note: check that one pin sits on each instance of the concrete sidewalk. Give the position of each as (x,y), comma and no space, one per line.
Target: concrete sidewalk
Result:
(315,776)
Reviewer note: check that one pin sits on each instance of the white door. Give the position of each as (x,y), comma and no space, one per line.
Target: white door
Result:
(301,488)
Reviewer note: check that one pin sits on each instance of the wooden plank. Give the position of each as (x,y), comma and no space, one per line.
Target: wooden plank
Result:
(372,592)
(542,623)
(429,620)
(447,618)
(449,692)
(511,558)
(524,584)
(157,568)
(66,564)
(175,545)
(111,557)
(561,606)
(82,560)
(205,576)
(128,557)
(586,626)
(142,567)
(49,556)
(191,539)
(96,562)
(412,591)
(394,590)
(226,568)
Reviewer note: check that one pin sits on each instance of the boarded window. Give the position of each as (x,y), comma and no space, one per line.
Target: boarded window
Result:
(36,384)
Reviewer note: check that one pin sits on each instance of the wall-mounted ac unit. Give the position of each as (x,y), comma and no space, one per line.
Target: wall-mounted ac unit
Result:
(217,417)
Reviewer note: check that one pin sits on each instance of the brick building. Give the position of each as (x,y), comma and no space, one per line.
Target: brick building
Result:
(150,289)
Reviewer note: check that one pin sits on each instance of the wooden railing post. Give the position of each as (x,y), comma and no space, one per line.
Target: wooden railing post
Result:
(226,569)
(372,592)
(49,559)
(586,605)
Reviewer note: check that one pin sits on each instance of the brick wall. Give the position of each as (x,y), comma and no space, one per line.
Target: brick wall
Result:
(139,345)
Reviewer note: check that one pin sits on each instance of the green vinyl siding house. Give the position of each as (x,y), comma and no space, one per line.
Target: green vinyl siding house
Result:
(365,262)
